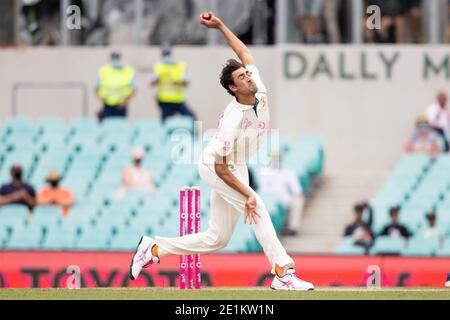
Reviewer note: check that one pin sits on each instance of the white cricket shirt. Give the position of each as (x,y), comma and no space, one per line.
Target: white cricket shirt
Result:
(438,117)
(240,130)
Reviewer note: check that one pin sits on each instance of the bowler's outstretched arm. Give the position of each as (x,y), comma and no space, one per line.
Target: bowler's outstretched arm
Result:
(235,44)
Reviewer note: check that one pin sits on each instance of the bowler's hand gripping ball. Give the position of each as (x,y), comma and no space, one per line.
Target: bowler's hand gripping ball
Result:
(207,16)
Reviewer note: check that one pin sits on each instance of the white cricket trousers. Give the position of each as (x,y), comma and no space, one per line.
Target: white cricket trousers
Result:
(226,206)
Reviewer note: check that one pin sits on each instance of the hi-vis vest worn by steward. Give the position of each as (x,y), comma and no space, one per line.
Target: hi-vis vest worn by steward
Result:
(168,73)
(115,84)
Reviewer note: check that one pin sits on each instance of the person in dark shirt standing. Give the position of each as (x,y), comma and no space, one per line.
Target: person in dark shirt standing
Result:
(17,192)
(360,230)
(395,229)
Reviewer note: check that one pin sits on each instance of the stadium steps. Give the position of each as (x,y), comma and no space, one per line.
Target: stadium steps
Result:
(330,208)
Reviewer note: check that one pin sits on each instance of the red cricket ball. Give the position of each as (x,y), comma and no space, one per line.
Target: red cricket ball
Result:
(207,16)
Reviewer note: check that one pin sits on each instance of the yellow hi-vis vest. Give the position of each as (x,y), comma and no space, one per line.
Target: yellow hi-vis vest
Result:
(167,74)
(115,84)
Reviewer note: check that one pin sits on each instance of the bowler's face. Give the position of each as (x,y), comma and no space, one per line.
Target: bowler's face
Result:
(243,82)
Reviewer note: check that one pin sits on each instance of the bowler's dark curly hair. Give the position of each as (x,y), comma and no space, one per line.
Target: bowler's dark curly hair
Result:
(226,78)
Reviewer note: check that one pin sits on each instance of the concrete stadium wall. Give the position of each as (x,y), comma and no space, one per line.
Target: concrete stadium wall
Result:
(361,99)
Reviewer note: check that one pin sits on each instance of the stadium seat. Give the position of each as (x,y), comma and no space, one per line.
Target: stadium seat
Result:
(177,122)
(116,139)
(26,238)
(18,124)
(152,221)
(114,123)
(81,216)
(135,198)
(148,125)
(3,236)
(13,216)
(347,247)
(418,246)
(127,238)
(60,238)
(46,217)
(114,222)
(444,250)
(386,245)
(118,208)
(94,238)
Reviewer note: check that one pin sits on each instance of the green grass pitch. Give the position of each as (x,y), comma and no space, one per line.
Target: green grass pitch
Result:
(222,293)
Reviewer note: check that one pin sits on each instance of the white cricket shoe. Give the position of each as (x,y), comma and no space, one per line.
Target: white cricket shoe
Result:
(290,282)
(143,257)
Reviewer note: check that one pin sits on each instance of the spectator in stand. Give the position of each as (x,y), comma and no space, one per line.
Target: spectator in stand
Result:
(360,230)
(116,86)
(308,15)
(282,181)
(17,192)
(171,80)
(395,229)
(134,177)
(424,139)
(431,230)
(390,22)
(330,12)
(56,195)
(331,17)
(410,11)
(438,116)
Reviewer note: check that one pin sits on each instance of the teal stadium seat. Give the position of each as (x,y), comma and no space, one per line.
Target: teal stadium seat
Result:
(112,124)
(149,133)
(20,139)
(18,124)
(3,236)
(46,217)
(83,125)
(81,216)
(51,129)
(135,198)
(386,245)
(178,123)
(127,238)
(114,140)
(418,246)
(148,125)
(60,238)
(150,218)
(444,250)
(346,246)
(443,215)
(78,185)
(26,238)
(13,216)
(94,238)
(119,207)
(114,222)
